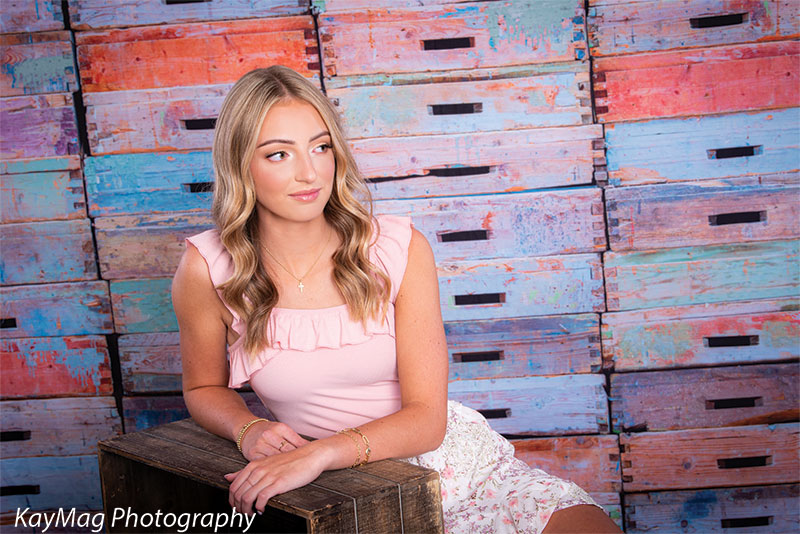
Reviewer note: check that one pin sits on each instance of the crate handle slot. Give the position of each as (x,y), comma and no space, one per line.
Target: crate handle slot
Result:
(747,522)
(495,413)
(741,217)
(735,152)
(463,235)
(738,463)
(742,402)
(483,356)
(198,187)
(455,109)
(716,21)
(730,341)
(174,2)
(448,43)
(15,435)
(480,298)
(442,172)
(199,124)
(29,489)
(8,322)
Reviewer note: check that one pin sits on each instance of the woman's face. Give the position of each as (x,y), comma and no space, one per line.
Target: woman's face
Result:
(293,164)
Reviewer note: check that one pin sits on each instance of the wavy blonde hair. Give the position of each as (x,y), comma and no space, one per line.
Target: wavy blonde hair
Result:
(250,291)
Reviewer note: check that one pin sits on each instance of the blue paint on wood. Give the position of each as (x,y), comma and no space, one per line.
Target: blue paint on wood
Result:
(63,482)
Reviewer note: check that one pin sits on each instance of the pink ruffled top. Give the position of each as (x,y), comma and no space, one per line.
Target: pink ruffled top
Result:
(323,371)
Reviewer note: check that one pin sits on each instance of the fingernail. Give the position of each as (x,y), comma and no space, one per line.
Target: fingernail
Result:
(259,512)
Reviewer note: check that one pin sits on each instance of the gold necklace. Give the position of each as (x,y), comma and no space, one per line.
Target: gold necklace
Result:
(300,285)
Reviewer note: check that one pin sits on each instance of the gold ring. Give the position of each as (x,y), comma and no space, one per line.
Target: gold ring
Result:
(282,444)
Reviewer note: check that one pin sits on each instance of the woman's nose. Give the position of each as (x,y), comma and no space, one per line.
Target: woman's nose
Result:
(306,171)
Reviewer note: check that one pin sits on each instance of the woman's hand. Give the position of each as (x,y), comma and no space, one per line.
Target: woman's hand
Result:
(266,438)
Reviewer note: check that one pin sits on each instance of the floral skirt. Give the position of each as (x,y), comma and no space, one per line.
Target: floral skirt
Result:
(485,488)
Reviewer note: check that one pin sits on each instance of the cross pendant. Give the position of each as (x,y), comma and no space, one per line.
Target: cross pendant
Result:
(301,286)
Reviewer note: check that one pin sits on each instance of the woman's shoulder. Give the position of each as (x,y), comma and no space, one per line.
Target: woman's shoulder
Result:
(207,252)
(390,249)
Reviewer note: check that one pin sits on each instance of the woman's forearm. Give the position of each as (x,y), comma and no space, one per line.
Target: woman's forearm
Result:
(218,409)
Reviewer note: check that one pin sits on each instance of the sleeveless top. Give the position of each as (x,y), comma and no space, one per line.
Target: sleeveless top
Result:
(322,371)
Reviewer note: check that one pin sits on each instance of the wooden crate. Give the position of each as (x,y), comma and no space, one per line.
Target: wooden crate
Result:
(143,305)
(695,398)
(329,6)
(708,212)
(697,82)
(41,126)
(54,366)
(48,251)
(432,38)
(625,27)
(31,16)
(753,509)
(538,405)
(35,190)
(703,148)
(706,334)
(178,468)
(150,363)
(37,63)
(697,275)
(710,457)
(68,309)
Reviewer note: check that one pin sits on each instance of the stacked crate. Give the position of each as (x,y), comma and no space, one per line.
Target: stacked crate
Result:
(700,106)
(475,119)
(55,376)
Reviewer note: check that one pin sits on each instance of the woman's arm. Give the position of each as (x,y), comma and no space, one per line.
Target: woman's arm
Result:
(419,426)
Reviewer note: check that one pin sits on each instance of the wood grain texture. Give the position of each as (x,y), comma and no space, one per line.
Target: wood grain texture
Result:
(39,196)
(77,424)
(706,334)
(150,363)
(35,165)
(708,212)
(36,63)
(49,251)
(31,16)
(647,25)
(329,6)
(696,398)
(143,305)
(697,82)
(696,275)
(54,366)
(479,35)
(67,309)
(703,148)
(40,126)
(707,457)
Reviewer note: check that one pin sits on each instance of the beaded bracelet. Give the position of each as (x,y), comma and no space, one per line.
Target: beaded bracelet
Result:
(244,429)
(367,449)
(358,449)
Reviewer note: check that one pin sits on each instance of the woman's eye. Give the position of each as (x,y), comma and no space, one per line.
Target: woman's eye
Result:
(323,148)
(276,156)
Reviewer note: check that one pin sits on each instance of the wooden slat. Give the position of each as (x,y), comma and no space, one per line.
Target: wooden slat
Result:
(329,6)
(41,126)
(37,63)
(36,165)
(31,16)
(150,363)
(143,306)
(39,196)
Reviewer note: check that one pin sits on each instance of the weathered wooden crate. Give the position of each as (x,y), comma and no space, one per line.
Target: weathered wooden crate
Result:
(508,98)
(695,398)
(538,405)
(434,38)
(629,26)
(150,363)
(48,251)
(719,79)
(39,62)
(698,275)
(708,212)
(703,148)
(36,190)
(94,14)
(67,309)
(706,334)
(31,16)
(178,468)
(54,366)
(710,457)
(752,509)
(143,305)
(41,126)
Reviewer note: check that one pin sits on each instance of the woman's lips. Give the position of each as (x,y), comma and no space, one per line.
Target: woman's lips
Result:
(306,196)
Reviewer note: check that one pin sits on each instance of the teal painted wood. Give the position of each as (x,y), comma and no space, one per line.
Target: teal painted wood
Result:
(93,14)
(143,306)
(67,309)
(722,333)
(700,148)
(145,412)
(523,346)
(499,99)
(538,405)
(697,398)
(38,196)
(26,166)
(708,212)
(754,508)
(697,275)
(49,251)
(51,482)
(78,424)
(37,63)
(31,16)
(150,363)
(41,126)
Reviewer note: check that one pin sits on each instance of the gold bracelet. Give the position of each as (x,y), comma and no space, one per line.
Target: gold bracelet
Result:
(367,449)
(244,430)
(358,449)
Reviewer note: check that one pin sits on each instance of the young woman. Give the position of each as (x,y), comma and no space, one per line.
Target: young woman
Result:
(333,318)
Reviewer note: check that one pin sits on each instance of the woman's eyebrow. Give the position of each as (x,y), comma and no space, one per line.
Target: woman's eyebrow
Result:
(290,142)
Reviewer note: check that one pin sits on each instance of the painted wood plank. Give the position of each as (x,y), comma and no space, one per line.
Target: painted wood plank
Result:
(78,423)
(143,306)
(696,275)
(37,63)
(329,6)
(49,251)
(150,363)
(538,405)
(145,412)
(94,14)
(167,55)
(710,457)
(647,25)
(695,398)
(67,309)
(706,334)
(54,366)
(697,82)
(31,16)
(479,35)
(708,212)
(752,509)
(40,126)
(34,165)
(39,196)
(464,101)
(701,148)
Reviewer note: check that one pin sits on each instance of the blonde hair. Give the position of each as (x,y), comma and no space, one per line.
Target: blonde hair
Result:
(250,291)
